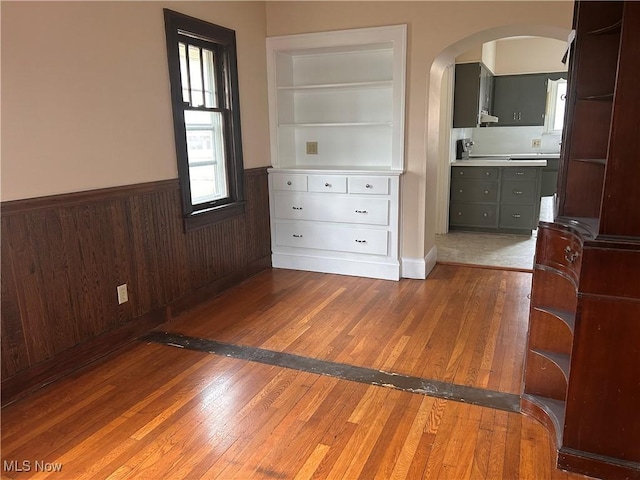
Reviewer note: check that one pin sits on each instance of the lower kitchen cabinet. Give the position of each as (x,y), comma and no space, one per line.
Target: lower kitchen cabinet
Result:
(335,221)
(495,199)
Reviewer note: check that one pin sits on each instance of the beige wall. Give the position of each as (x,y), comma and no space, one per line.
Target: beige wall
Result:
(437,32)
(85,92)
(529,55)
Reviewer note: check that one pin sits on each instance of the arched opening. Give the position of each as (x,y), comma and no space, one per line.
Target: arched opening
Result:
(440,144)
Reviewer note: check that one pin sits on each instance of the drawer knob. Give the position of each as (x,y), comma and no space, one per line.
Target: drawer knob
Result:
(460,190)
(361,211)
(569,255)
(327,185)
(368,186)
(297,236)
(518,173)
(516,215)
(459,214)
(297,208)
(288,182)
(485,214)
(517,192)
(360,241)
(461,172)
(486,192)
(488,174)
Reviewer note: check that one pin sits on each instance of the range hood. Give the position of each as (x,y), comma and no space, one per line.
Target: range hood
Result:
(484,117)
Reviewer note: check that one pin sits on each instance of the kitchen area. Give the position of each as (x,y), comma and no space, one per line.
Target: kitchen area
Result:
(508,110)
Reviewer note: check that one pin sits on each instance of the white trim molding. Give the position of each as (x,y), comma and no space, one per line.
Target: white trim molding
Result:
(419,268)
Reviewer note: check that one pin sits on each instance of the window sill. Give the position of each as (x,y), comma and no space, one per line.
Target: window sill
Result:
(211,216)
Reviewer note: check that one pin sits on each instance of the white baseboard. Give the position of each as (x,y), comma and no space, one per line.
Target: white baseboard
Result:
(341,266)
(419,268)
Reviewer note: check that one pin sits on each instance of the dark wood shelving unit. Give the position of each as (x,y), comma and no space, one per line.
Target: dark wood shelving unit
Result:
(582,373)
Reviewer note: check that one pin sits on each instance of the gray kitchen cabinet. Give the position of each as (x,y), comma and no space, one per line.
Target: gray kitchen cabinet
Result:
(521,100)
(473,92)
(495,199)
(549,178)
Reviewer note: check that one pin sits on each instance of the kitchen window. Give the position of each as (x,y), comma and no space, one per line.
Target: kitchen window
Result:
(556,100)
(206,117)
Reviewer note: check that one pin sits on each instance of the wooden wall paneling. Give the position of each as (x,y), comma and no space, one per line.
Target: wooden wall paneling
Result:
(63,257)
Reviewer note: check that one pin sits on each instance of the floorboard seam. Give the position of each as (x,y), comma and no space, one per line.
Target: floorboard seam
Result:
(434,388)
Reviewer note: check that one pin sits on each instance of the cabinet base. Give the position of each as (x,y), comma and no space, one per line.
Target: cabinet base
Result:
(340,266)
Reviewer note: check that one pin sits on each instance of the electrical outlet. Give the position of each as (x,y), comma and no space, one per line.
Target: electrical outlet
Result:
(312,148)
(536,143)
(123,295)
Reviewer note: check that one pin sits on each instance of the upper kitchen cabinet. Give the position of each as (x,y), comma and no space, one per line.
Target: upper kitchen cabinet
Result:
(473,89)
(521,100)
(336,99)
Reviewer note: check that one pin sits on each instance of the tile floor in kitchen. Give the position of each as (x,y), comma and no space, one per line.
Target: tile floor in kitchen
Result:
(492,249)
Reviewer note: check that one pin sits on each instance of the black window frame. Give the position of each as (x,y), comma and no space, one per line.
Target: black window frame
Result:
(222,41)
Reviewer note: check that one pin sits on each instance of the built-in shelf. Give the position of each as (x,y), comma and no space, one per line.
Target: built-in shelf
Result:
(613,28)
(554,409)
(606,97)
(336,86)
(597,161)
(560,360)
(568,318)
(338,124)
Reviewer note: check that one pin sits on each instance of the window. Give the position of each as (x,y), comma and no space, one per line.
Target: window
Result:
(206,117)
(556,99)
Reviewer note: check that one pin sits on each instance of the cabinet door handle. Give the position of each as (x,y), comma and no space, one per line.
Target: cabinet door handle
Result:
(514,115)
(360,241)
(569,255)
(289,182)
(517,192)
(518,173)
(361,211)
(297,236)
(519,115)
(516,215)
(297,208)
(327,185)
(368,186)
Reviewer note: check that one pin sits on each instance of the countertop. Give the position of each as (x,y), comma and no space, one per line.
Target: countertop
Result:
(507,160)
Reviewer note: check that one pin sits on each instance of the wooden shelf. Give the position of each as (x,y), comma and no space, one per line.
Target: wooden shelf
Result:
(554,409)
(568,318)
(560,360)
(609,29)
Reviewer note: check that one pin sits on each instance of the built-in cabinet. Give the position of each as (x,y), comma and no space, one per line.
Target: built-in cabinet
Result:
(494,198)
(520,100)
(582,374)
(336,107)
(473,92)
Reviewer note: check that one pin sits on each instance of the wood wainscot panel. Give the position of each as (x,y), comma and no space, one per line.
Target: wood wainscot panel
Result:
(63,257)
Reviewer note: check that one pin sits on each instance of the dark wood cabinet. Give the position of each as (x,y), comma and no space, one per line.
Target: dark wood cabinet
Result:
(582,374)
(473,89)
(521,100)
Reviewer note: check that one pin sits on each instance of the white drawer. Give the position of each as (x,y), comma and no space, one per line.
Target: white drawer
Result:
(372,211)
(369,185)
(289,182)
(329,237)
(328,183)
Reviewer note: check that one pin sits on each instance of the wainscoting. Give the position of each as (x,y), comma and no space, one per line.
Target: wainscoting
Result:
(63,257)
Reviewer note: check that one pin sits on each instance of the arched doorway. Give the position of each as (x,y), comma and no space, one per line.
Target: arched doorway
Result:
(440,100)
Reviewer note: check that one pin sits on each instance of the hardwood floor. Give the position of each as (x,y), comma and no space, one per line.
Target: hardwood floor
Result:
(158,411)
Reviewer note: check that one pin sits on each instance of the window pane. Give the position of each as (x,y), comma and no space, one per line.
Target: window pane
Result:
(195,76)
(184,79)
(205,151)
(561,96)
(211,99)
